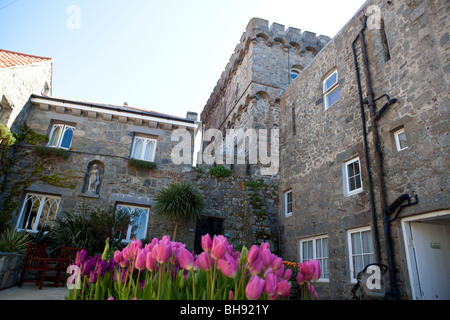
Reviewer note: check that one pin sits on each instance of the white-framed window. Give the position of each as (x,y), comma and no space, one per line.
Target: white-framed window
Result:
(400,139)
(38,211)
(316,248)
(360,246)
(139,221)
(61,136)
(331,90)
(288,203)
(143,149)
(352,177)
(294,74)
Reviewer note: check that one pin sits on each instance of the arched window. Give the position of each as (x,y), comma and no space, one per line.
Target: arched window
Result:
(294,74)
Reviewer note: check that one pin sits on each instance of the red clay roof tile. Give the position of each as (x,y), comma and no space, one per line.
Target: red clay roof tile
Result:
(12,59)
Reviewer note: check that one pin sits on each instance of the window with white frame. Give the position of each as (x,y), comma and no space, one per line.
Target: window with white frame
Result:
(400,139)
(352,177)
(316,248)
(38,211)
(143,148)
(360,250)
(61,136)
(288,203)
(139,221)
(331,90)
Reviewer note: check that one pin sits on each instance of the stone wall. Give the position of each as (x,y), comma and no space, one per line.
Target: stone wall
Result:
(10,269)
(17,84)
(409,61)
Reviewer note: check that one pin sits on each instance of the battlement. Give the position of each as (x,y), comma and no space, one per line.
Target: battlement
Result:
(274,35)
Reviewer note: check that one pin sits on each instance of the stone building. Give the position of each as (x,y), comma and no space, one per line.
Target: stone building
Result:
(20,76)
(365,153)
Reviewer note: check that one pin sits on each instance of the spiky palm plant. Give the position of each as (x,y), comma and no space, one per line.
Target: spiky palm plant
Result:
(179,202)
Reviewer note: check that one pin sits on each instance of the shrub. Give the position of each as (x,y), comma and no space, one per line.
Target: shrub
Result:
(12,240)
(220,171)
(49,152)
(141,164)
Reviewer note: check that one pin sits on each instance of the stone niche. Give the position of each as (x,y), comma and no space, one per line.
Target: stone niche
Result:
(93,179)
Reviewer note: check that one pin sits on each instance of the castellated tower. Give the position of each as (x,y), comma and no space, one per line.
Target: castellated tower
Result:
(262,66)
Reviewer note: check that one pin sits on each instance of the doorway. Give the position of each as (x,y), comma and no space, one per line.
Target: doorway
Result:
(427,244)
(208,225)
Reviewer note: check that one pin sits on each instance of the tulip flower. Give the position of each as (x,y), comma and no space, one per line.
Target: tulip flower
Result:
(186,259)
(267,257)
(228,265)
(219,246)
(287,274)
(283,288)
(150,262)
(205,262)
(300,279)
(253,254)
(206,243)
(162,251)
(316,269)
(118,257)
(254,288)
(141,259)
(271,284)
(255,267)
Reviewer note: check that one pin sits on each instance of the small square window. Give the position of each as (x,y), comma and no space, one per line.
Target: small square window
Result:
(288,203)
(143,149)
(61,136)
(400,139)
(331,90)
(352,177)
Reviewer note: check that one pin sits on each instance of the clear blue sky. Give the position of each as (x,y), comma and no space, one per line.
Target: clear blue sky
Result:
(165,56)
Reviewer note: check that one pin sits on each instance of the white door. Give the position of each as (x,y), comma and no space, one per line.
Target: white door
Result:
(429,252)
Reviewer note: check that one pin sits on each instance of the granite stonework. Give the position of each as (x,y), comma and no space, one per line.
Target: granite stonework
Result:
(408,58)
(11,265)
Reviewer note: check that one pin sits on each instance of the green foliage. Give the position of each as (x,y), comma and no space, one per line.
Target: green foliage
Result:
(253,184)
(220,171)
(179,202)
(12,240)
(29,136)
(6,137)
(89,229)
(44,151)
(141,164)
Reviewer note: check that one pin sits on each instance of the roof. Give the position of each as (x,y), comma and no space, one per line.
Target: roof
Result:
(112,107)
(12,59)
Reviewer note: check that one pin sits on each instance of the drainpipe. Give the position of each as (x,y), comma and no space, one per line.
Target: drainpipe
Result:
(366,150)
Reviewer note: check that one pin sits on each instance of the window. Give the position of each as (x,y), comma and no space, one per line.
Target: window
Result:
(352,177)
(38,211)
(294,74)
(288,203)
(316,248)
(143,149)
(400,139)
(61,136)
(139,220)
(331,90)
(360,250)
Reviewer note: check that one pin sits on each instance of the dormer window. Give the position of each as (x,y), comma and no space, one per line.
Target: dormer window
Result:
(331,90)
(143,149)
(61,136)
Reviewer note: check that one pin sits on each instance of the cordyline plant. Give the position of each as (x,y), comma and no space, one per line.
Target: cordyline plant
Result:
(166,270)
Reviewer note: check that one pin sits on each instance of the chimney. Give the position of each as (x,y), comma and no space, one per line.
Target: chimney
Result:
(192,115)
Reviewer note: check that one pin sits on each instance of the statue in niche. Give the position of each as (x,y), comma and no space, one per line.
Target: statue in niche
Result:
(94,179)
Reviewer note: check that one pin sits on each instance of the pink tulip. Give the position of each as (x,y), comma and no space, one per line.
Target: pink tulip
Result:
(135,246)
(150,262)
(267,257)
(162,251)
(287,274)
(306,269)
(206,243)
(254,288)
(228,265)
(253,254)
(255,267)
(300,279)
(264,246)
(118,256)
(283,288)
(205,262)
(316,269)
(141,259)
(271,285)
(219,246)
(186,259)
(231,295)
(126,252)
